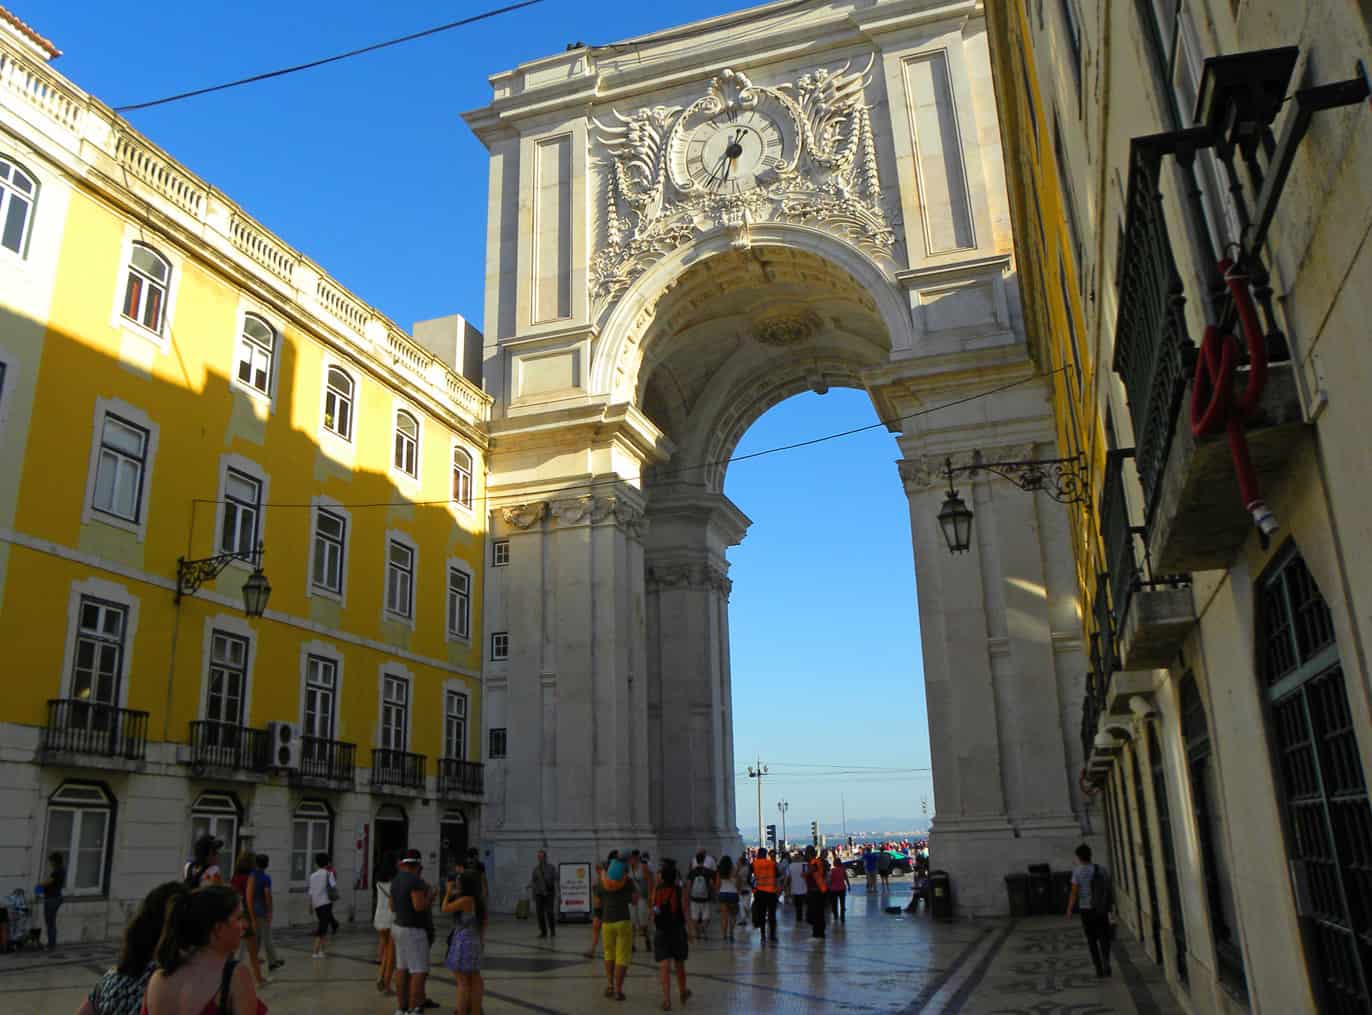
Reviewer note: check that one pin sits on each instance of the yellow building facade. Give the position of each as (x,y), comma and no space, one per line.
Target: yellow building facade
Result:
(179,385)
(1191,216)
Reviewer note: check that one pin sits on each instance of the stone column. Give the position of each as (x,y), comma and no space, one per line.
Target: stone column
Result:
(691,714)
(571,694)
(991,642)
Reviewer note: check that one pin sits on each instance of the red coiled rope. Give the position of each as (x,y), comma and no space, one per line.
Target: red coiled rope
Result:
(1213,403)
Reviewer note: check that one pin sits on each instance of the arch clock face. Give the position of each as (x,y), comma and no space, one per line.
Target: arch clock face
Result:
(729,152)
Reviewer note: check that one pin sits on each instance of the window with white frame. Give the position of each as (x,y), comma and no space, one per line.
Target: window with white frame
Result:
(395,711)
(242,507)
(79,822)
(120,468)
(338,403)
(500,645)
(462,476)
(321,694)
(497,746)
(256,353)
(228,678)
(330,540)
(145,288)
(98,659)
(454,725)
(406,443)
(18,197)
(459,603)
(216,814)
(500,553)
(399,579)
(311,833)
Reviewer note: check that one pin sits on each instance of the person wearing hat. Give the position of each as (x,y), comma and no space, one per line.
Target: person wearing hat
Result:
(411,897)
(618,896)
(203,868)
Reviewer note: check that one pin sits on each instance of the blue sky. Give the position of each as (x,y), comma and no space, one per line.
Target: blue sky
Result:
(366,167)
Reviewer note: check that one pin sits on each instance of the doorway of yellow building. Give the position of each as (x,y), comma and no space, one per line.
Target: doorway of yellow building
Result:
(392,834)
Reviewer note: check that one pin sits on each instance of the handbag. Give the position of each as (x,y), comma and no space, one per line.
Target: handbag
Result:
(331,886)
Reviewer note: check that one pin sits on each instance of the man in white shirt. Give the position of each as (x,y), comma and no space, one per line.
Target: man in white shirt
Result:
(795,883)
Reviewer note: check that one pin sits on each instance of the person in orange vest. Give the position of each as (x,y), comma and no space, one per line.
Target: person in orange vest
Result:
(816,883)
(765,888)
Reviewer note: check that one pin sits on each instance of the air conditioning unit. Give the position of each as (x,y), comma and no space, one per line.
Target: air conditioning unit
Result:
(283,745)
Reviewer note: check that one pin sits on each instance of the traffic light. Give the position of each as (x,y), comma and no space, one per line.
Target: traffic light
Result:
(814,833)
(772,836)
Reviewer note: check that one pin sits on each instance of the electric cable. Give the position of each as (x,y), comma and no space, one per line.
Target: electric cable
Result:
(283,71)
(618,481)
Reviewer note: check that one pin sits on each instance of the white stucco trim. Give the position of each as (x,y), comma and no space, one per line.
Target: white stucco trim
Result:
(409,486)
(458,564)
(333,507)
(249,468)
(135,234)
(341,449)
(135,415)
(237,626)
(467,690)
(98,588)
(324,650)
(247,305)
(396,671)
(467,511)
(395,535)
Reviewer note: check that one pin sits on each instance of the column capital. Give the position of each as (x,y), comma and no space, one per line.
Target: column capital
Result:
(691,575)
(919,473)
(525,516)
(592,509)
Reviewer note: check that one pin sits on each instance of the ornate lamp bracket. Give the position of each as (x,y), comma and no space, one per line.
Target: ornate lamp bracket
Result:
(1063,479)
(191,574)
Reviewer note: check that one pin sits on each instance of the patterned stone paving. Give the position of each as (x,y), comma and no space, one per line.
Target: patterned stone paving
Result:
(876,962)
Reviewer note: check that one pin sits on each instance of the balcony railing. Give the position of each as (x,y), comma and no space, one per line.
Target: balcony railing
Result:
(327,760)
(399,769)
(227,745)
(1104,657)
(460,778)
(1153,352)
(85,727)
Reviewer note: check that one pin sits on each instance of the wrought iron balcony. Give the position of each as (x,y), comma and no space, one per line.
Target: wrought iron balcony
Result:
(326,762)
(1153,353)
(1150,614)
(397,769)
(229,746)
(460,778)
(77,727)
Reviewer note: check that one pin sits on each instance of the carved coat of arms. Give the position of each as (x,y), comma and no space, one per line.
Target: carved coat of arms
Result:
(740,154)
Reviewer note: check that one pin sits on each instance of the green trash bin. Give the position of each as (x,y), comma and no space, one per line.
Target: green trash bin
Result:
(1017,887)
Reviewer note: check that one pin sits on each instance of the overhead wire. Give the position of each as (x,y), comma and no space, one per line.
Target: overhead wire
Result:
(337,57)
(667,473)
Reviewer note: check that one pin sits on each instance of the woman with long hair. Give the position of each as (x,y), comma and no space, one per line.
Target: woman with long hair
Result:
(197,973)
(670,939)
(383,919)
(727,893)
(243,869)
(120,991)
(467,940)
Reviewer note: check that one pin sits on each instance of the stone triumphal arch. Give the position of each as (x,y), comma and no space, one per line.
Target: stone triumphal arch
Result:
(684,230)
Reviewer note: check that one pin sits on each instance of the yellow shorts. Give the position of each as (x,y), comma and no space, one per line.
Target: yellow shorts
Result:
(619,941)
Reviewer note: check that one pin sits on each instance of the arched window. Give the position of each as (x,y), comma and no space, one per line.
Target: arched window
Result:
(462,476)
(311,833)
(406,443)
(256,353)
(79,826)
(338,403)
(145,288)
(217,815)
(18,196)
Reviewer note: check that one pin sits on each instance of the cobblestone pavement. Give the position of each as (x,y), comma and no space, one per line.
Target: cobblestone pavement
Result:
(875,962)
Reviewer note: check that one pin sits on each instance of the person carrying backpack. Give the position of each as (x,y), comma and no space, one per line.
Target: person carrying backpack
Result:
(1093,896)
(670,943)
(699,880)
(204,868)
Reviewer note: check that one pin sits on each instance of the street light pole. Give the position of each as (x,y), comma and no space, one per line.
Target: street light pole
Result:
(757,772)
(783,806)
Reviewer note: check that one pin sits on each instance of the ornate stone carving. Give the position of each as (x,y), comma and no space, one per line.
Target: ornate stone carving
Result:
(821,171)
(785,327)
(925,471)
(525,516)
(597,510)
(691,576)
